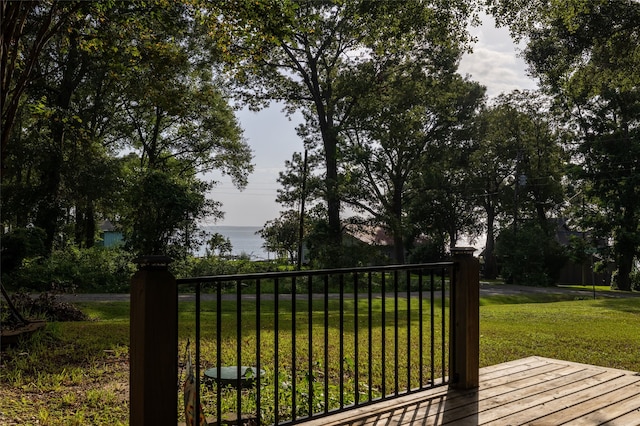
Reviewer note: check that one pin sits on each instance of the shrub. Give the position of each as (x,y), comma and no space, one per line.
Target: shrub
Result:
(530,256)
(96,269)
(19,244)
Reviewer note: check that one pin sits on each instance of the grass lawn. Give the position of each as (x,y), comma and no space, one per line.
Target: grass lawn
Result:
(77,373)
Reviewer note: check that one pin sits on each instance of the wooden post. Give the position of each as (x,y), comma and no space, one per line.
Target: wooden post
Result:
(153,349)
(464,346)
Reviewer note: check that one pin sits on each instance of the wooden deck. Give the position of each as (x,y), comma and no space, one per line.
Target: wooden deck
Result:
(530,391)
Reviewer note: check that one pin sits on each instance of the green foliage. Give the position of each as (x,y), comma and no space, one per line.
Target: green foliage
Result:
(220,243)
(427,251)
(96,269)
(634,277)
(282,235)
(211,265)
(310,63)
(529,256)
(19,244)
(163,204)
(585,54)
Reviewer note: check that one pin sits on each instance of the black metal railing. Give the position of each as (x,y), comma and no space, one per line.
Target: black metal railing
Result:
(278,348)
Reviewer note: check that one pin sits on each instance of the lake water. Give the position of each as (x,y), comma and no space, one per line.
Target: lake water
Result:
(243,239)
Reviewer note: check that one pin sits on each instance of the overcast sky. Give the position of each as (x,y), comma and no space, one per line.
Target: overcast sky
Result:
(272,135)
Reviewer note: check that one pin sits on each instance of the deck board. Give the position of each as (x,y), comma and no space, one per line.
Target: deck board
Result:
(531,391)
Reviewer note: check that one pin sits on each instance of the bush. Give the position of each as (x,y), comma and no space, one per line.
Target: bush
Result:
(19,244)
(213,265)
(530,256)
(96,269)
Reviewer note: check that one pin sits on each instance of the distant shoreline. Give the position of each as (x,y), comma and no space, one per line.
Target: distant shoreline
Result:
(244,240)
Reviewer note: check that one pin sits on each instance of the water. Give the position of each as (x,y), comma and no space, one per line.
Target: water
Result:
(243,239)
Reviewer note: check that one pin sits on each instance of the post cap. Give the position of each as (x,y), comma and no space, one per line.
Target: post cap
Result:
(463,251)
(153,262)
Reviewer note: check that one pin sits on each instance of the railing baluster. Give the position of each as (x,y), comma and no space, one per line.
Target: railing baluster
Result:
(370,334)
(408,330)
(310,376)
(433,327)
(356,341)
(384,336)
(444,334)
(326,343)
(258,344)
(276,343)
(396,328)
(294,336)
(420,331)
(341,339)
(218,350)
(239,350)
(197,360)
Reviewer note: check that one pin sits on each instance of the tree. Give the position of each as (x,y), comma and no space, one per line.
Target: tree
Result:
(220,243)
(54,110)
(281,235)
(517,164)
(129,76)
(179,124)
(399,130)
(586,54)
(303,52)
(25,30)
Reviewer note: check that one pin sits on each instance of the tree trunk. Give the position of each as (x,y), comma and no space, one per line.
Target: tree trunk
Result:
(490,263)
(398,240)
(49,209)
(623,279)
(330,143)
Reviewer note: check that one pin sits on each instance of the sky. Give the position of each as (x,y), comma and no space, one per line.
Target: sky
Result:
(272,137)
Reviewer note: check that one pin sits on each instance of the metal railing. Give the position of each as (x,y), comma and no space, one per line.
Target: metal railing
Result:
(282,348)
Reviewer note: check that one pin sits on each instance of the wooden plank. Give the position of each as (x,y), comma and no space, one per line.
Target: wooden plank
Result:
(381,407)
(629,407)
(532,360)
(557,399)
(458,407)
(494,406)
(597,398)
(495,376)
(532,391)
(500,370)
(463,399)
(630,419)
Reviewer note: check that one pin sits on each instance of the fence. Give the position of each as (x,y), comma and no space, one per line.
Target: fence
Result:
(283,348)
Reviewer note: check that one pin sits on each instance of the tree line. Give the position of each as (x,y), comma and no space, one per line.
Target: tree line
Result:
(114,110)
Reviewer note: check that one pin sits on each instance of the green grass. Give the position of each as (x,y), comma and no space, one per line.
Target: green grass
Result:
(77,373)
(603,332)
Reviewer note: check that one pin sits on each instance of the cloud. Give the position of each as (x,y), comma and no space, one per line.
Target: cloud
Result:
(494,61)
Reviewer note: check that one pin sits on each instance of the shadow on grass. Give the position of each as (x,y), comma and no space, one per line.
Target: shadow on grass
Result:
(518,299)
(629,305)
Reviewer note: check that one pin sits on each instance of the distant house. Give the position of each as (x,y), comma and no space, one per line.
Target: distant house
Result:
(109,235)
(369,241)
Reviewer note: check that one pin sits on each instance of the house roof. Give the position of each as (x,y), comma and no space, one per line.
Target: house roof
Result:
(106,226)
(368,234)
